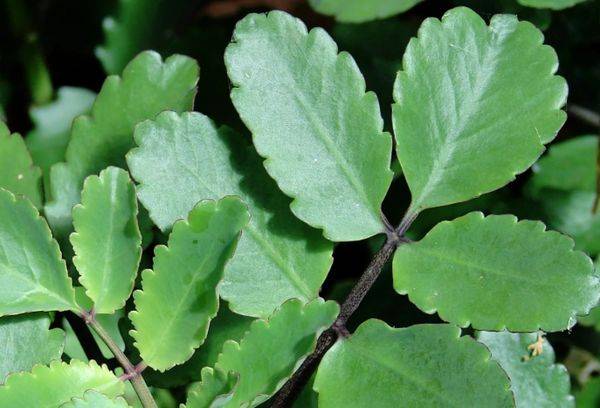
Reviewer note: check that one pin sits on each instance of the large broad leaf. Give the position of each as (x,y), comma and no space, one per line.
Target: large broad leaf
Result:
(94,399)
(419,366)
(148,86)
(33,276)
(26,341)
(17,172)
(179,297)
(495,272)
(272,350)
(535,381)
(214,391)
(107,240)
(321,134)
(474,105)
(51,386)
(358,11)
(184,159)
(550,4)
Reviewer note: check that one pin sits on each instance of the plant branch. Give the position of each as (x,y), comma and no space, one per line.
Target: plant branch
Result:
(584,114)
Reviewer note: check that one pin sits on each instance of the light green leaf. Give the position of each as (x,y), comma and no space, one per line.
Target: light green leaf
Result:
(107,240)
(495,272)
(184,159)
(272,350)
(73,349)
(17,172)
(94,399)
(321,134)
(26,341)
(51,386)
(474,105)
(215,390)
(359,11)
(179,297)
(428,365)
(589,395)
(550,4)
(33,276)
(535,381)
(148,86)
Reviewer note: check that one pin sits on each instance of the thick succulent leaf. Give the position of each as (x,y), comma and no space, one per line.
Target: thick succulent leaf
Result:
(51,386)
(321,134)
(359,11)
(94,399)
(107,240)
(214,391)
(184,159)
(26,341)
(550,4)
(474,105)
(33,276)
(495,272)
(427,365)
(272,350)
(535,381)
(179,297)
(17,172)
(148,86)
(73,349)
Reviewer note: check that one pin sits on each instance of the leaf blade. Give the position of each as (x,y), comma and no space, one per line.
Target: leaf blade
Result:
(360,11)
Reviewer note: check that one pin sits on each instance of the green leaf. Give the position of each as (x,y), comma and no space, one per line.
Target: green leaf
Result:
(179,297)
(474,105)
(26,341)
(589,395)
(215,390)
(94,399)
(550,4)
(359,11)
(184,159)
(272,350)
(321,134)
(49,138)
(33,276)
(495,272)
(428,365)
(51,386)
(148,86)
(535,381)
(107,240)
(17,172)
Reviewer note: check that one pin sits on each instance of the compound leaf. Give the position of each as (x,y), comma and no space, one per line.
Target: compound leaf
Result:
(550,4)
(107,240)
(272,350)
(321,134)
(474,105)
(423,366)
(94,399)
(26,341)
(33,276)
(360,11)
(495,272)
(148,86)
(214,391)
(179,297)
(51,386)
(535,381)
(183,159)
(17,172)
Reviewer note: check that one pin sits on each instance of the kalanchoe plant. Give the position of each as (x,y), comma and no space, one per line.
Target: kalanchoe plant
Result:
(226,310)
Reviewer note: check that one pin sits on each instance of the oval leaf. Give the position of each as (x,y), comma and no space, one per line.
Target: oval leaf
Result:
(494,273)
(474,105)
(93,399)
(550,4)
(321,134)
(360,11)
(420,366)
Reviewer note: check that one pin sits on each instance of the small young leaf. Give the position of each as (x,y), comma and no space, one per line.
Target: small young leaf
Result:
(107,240)
(33,276)
(94,399)
(420,366)
(271,350)
(183,159)
(179,297)
(535,381)
(359,11)
(474,105)
(550,4)
(17,172)
(54,385)
(321,134)
(26,341)
(215,390)
(494,273)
